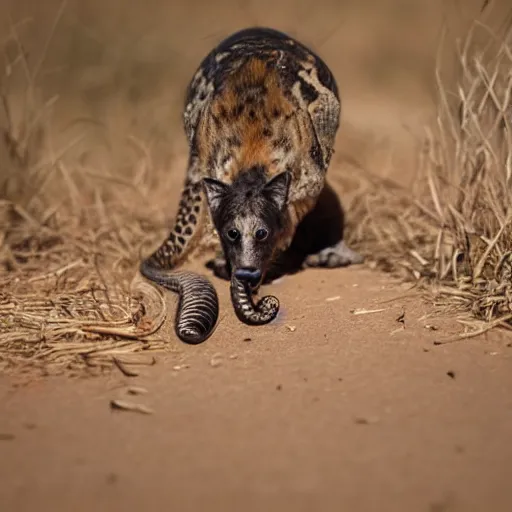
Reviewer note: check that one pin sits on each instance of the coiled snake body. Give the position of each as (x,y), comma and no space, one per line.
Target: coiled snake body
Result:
(198,305)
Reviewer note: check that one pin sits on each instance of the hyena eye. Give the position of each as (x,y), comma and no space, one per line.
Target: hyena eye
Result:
(233,234)
(261,234)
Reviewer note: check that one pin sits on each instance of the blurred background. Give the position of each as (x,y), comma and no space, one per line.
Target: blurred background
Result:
(106,78)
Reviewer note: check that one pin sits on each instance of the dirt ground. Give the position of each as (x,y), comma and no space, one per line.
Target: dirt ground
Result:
(343,412)
(324,409)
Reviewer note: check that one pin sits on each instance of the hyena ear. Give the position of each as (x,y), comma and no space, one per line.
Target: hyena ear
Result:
(277,189)
(215,191)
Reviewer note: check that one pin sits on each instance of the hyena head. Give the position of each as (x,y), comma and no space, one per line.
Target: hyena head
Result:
(249,216)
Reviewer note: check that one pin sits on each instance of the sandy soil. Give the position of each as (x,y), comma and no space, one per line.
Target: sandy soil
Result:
(343,413)
(322,410)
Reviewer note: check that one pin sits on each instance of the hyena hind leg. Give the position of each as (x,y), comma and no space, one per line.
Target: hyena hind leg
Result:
(322,234)
(339,255)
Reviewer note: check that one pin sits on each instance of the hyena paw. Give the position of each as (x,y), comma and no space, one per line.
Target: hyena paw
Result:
(339,255)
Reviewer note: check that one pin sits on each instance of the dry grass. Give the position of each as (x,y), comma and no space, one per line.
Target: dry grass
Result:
(65,298)
(453,231)
(63,302)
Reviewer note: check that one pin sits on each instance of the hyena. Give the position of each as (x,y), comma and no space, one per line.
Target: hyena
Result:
(261,115)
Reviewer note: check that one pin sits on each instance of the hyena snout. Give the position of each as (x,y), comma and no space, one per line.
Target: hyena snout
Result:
(250,275)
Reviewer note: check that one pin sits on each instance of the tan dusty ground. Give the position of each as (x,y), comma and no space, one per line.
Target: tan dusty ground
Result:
(322,410)
(340,414)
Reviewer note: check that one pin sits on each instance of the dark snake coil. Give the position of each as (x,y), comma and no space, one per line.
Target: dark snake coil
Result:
(198,306)
(247,312)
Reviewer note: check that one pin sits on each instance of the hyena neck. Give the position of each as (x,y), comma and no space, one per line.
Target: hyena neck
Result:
(253,194)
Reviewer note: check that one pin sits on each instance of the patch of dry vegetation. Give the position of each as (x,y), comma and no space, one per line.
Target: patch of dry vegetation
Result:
(66,253)
(453,231)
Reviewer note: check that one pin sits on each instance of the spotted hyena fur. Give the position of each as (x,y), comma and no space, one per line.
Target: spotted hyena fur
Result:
(262,100)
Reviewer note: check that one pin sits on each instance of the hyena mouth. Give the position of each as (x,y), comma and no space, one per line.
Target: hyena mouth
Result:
(251,277)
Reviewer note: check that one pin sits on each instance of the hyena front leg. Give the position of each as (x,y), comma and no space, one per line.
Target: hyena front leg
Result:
(198,308)
(187,229)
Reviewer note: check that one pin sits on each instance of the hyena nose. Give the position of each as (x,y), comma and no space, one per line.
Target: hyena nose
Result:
(249,274)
